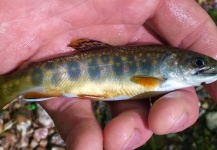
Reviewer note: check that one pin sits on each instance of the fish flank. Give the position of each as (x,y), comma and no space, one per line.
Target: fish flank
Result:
(105,72)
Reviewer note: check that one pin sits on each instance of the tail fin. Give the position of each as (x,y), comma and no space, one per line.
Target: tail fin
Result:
(5,95)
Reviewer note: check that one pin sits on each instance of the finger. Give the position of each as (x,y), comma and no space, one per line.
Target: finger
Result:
(174,112)
(211,88)
(129,128)
(76,123)
(185,24)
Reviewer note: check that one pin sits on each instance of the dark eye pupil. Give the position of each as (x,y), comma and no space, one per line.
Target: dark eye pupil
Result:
(199,62)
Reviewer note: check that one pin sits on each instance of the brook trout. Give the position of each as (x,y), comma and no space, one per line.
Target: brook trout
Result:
(103,72)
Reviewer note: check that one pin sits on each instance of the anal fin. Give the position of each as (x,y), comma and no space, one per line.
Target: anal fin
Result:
(91,97)
(36,96)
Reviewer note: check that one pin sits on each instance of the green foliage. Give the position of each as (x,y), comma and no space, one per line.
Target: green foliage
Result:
(213,14)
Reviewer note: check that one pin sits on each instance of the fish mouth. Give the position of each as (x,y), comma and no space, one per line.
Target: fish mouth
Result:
(207,71)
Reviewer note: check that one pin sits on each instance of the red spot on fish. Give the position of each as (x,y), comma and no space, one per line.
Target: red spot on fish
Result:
(63,71)
(125,68)
(82,68)
(102,68)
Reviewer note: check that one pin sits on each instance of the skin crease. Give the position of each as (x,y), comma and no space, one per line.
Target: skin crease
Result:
(33,30)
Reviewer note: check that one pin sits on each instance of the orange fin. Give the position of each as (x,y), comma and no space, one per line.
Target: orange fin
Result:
(91,97)
(37,95)
(147,82)
(87,44)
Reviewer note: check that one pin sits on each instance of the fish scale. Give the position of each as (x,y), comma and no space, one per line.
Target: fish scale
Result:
(103,72)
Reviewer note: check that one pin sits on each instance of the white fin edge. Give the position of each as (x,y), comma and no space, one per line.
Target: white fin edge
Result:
(69,95)
(38,99)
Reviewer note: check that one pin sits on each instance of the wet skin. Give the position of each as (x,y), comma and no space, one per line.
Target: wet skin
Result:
(37,30)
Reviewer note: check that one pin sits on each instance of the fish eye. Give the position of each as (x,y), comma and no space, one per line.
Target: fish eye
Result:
(199,62)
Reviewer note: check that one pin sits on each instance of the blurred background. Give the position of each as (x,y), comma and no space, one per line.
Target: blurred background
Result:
(27,126)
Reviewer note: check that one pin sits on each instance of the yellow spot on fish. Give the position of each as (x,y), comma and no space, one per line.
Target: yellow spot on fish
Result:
(123,58)
(140,54)
(10,85)
(99,61)
(111,62)
(154,62)
(5,86)
(135,57)
(28,79)
(48,73)
(90,60)
(137,64)
(94,67)
(16,82)
(118,64)
(148,55)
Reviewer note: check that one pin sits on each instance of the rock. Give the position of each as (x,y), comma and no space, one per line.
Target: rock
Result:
(22,127)
(40,133)
(44,119)
(8,125)
(57,140)
(43,143)
(40,148)
(1,125)
(34,143)
(8,140)
(57,148)
(211,122)
(51,131)
(205,105)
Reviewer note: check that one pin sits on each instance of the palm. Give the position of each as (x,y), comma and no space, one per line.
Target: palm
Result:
(39,29)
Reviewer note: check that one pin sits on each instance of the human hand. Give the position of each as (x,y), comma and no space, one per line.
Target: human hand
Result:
(35,30)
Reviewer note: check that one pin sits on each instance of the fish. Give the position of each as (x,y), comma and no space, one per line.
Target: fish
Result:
(99,71)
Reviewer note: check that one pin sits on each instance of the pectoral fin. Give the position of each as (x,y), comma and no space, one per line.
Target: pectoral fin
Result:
(87,44)
(148,82)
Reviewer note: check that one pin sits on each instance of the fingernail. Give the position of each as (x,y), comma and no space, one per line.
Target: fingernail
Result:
(134,140)
(180,123)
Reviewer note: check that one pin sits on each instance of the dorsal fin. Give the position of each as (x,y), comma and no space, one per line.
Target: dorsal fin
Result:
(87,44)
